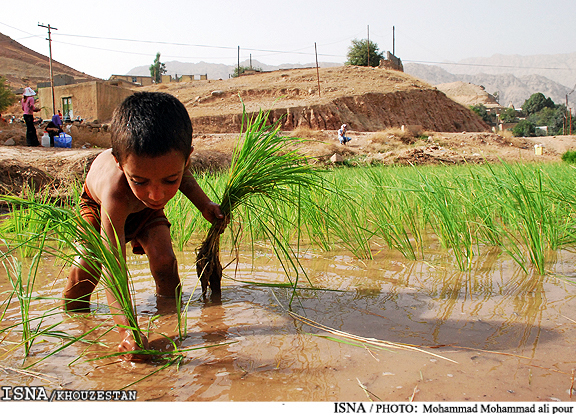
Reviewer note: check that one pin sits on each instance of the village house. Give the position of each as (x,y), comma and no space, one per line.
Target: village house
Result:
(135,79)
(94,100)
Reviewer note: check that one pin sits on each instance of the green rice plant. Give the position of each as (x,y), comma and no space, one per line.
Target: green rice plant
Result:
(4,308)
(315,216)
(561,201)
(67,228)
(395,215)
(350,219)
(182,315)
(22,224)
(393,223)
(532,220)
(449,217)
(480,198)
(349,223)
(263,163)
(184,219)
(23,289)
(274,231)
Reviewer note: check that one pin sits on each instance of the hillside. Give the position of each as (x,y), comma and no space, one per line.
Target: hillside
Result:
(368,99)
(22,66)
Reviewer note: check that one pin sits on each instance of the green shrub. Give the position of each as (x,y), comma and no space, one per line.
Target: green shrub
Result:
(569,157)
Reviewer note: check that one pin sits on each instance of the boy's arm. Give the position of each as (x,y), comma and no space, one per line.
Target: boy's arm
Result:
(192,190)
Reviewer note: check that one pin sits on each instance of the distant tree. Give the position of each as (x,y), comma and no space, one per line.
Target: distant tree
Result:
(240,70)
(509,115)
(537,102)
(7,97)
(157,69)
(524,129)
(483,113)
(358,53)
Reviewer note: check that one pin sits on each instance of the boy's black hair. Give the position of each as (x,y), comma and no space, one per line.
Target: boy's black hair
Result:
(150,124)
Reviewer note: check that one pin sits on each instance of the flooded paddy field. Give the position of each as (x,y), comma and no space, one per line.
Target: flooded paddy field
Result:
(494,333)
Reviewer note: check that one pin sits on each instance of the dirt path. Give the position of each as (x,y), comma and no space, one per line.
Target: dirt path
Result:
(40,167)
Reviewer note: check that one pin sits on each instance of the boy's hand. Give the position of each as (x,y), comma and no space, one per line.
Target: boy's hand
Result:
(128,344)
(212,212)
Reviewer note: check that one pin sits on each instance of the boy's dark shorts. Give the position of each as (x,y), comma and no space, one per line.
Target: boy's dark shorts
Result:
(135,224)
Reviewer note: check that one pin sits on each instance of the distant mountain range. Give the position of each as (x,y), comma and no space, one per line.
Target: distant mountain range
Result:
(560,68)
(220,71)
(510,88)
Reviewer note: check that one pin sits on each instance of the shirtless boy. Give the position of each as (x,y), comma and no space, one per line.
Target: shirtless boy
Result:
(126,190)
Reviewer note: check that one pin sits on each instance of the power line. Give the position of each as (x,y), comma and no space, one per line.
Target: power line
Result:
(296,51)
(171,56)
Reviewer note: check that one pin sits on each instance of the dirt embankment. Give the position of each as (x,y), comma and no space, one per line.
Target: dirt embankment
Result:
(370,112)
(367,99)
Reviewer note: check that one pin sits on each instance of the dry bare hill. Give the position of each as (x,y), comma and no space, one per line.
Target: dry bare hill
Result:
(468,94)
(368,99)
(24,67)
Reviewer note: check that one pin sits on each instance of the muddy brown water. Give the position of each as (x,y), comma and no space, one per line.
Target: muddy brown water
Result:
(511,335)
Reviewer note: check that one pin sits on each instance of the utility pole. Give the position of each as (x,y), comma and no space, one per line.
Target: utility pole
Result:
(238,73)
(50,28)
(566,122)
(317,70)
(393,41)
(368,45)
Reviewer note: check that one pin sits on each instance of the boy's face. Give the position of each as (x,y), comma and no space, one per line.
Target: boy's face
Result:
(154,180)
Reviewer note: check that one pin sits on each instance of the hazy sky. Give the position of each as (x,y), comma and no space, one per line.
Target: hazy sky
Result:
(104,37)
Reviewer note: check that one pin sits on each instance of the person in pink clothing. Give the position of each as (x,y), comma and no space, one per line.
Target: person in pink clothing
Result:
(29,108)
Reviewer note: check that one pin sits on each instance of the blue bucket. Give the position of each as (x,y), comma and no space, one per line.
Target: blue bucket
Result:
(63,140)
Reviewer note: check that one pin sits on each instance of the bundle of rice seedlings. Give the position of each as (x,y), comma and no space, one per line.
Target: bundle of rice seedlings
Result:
(263,163)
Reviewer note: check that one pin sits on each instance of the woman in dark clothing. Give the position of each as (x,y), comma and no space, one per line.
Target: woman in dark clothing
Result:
(54,128)
(29,109)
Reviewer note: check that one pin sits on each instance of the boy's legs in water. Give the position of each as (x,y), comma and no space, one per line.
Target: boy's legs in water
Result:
(157,245)
(81,282)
